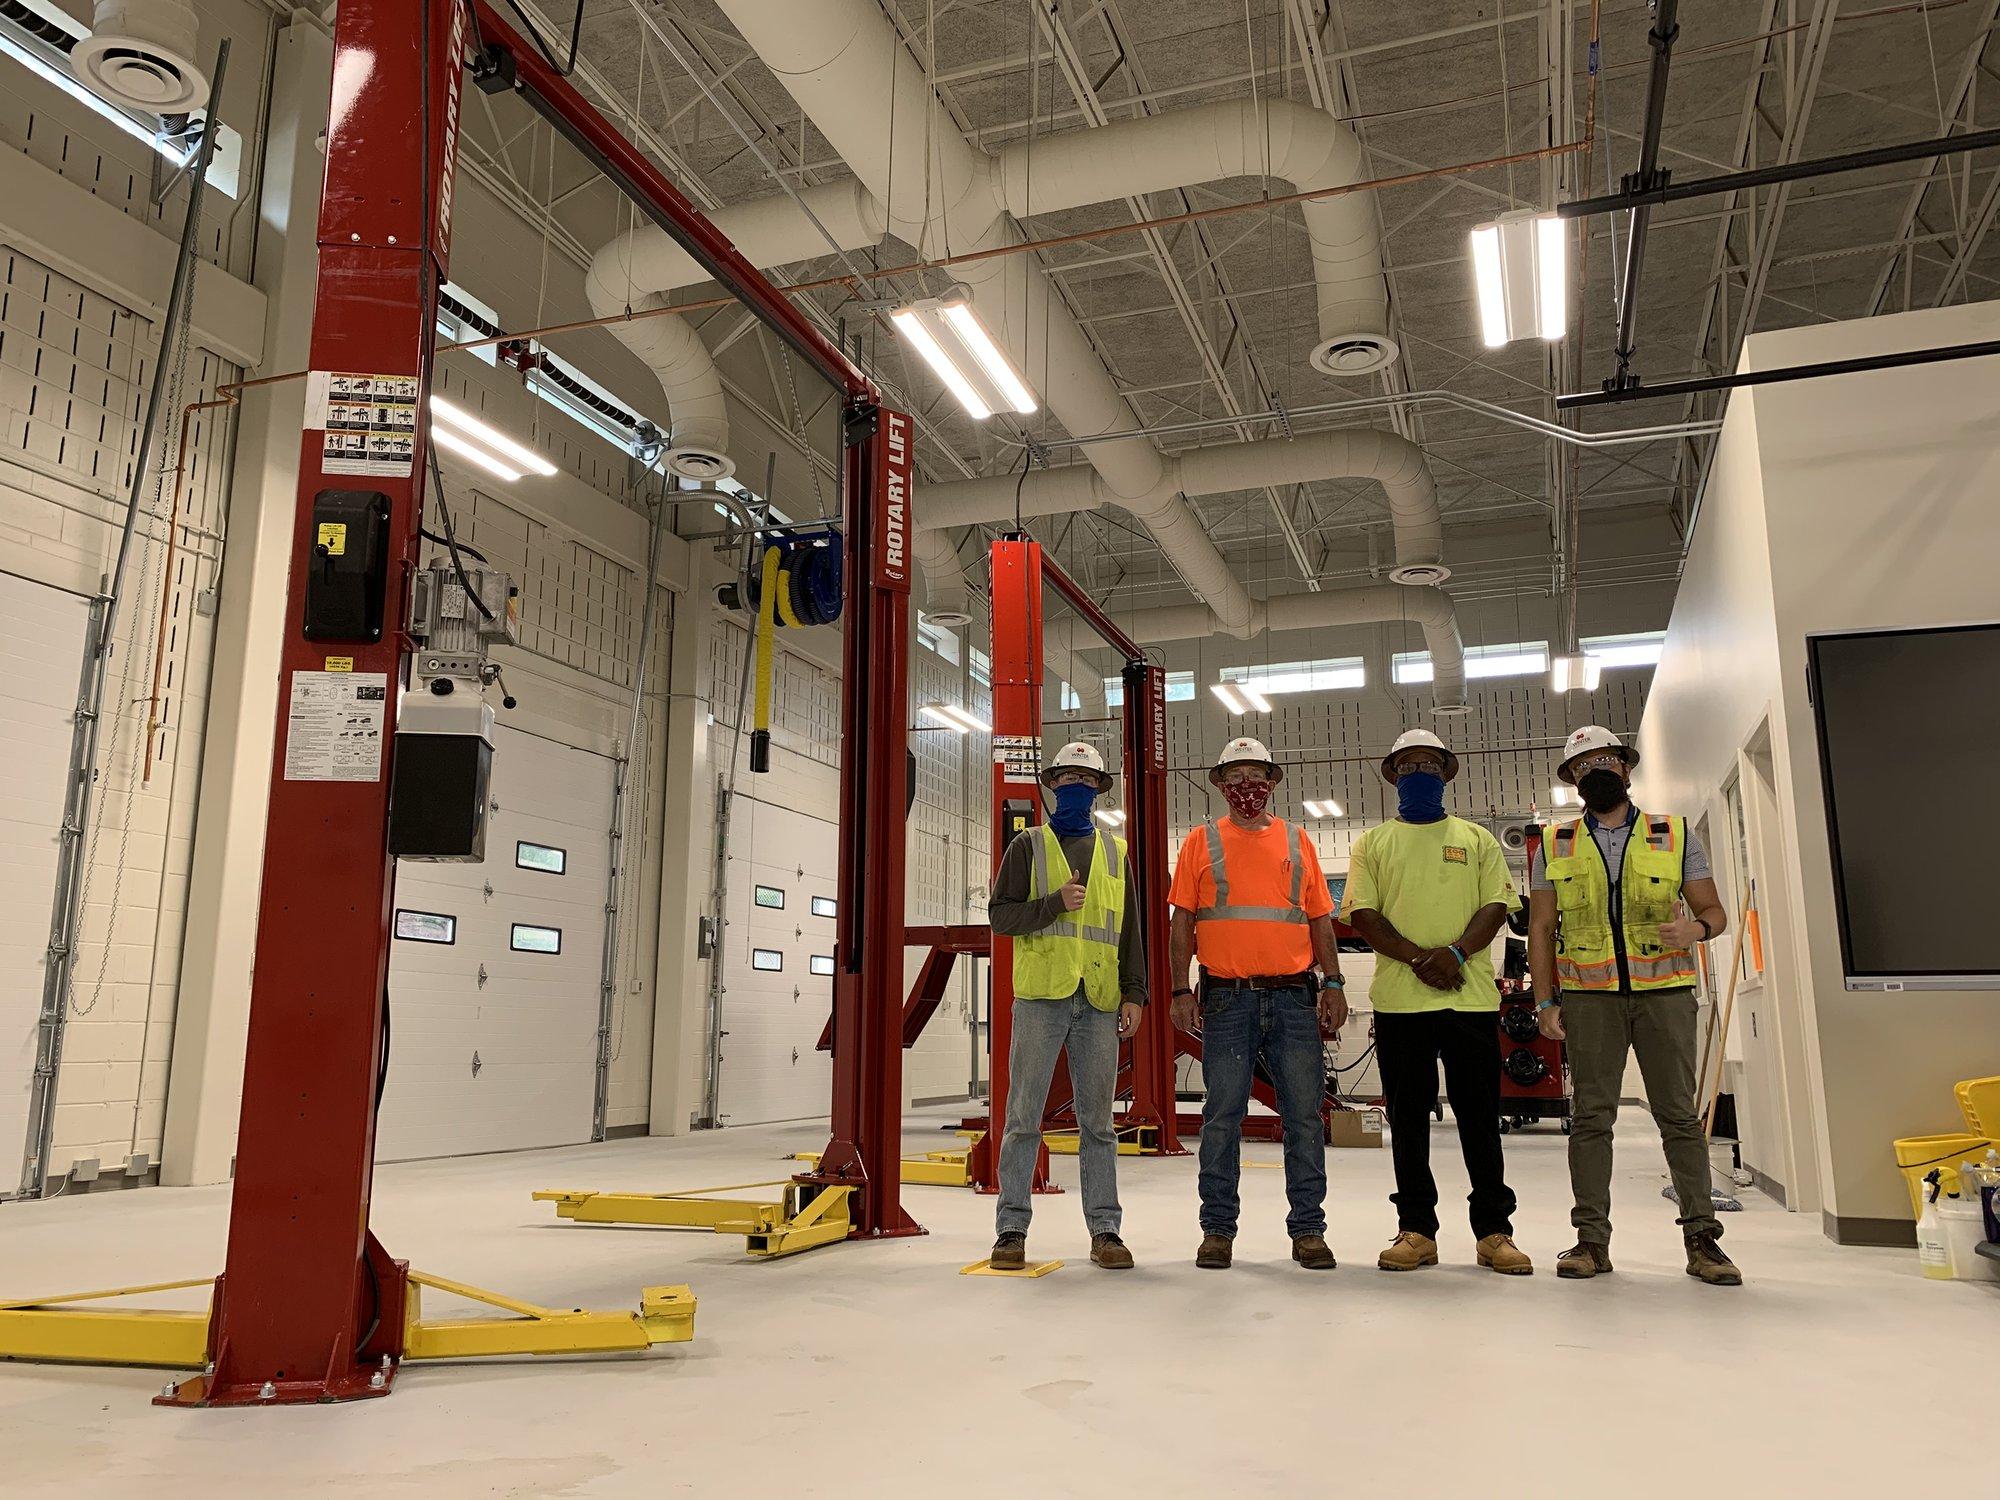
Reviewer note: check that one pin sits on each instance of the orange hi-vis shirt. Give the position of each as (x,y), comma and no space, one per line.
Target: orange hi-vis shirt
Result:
(1251,893)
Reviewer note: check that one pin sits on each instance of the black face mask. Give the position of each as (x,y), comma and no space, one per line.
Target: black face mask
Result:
(1602,790)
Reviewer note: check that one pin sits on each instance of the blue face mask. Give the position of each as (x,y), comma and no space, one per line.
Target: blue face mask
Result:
(1071,819)
(1420,797)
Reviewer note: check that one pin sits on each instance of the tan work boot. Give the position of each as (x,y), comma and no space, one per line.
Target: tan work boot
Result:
(1108,1251)
(1312,1252)
(1706,1261)
(1498,1252)
(1407,1251)
(1216,1251)
(1010,1253)
(1584,1260)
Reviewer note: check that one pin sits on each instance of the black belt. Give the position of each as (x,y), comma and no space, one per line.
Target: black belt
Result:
(1302,980)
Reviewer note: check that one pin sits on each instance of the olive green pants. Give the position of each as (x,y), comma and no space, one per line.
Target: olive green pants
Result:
(1660,1028)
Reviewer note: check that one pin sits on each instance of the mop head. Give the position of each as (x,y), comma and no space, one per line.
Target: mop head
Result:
(1724,1204)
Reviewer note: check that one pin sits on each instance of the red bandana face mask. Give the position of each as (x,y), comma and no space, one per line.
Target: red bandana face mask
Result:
(1248,798)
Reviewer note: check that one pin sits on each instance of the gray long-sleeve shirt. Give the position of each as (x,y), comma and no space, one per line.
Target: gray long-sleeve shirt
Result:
(1014,913)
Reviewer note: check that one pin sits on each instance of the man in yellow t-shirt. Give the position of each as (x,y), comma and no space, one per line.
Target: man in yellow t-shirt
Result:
(1429,893)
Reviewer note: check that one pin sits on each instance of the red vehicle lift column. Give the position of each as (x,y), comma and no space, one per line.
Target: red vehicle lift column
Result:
(1016,589)
(1155,1048)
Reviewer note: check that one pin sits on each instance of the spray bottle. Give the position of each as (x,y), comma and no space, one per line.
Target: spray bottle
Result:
(1933,1254)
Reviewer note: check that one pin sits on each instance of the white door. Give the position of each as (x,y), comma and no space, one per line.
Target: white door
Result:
(777,965)
(495,968)
(41,655)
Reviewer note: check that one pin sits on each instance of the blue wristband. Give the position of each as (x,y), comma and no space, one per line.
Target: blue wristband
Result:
(1457,953)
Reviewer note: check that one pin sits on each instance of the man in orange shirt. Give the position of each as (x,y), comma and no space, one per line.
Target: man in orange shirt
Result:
(1249,899)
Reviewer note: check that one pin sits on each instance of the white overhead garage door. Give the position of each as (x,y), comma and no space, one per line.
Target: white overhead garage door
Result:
(494,972)
(778,965)
(41,655)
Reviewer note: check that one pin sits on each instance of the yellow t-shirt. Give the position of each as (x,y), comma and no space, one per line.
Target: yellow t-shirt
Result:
(1428,879)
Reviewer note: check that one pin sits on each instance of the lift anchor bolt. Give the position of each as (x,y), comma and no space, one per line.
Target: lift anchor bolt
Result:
(171,1389)
(268,1392)
(378,1381)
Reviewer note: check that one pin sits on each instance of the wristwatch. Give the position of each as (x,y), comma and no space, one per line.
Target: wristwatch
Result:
(1182,990)
(1456,952)
(1333,982)
(1542,1005)
(1706,934)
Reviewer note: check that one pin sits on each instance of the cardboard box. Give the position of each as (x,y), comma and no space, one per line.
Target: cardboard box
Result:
(1354,1127)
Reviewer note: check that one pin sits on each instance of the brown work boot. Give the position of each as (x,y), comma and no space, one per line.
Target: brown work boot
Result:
(1010,1253)
(1706,1260)
(1216,1251)
(1310,1251)
(1584,1260)
(1407,1251)
(1108,1251)
(1498,1252)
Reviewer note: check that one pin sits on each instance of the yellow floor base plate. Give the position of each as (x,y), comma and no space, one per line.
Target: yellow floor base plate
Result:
(1033,1268)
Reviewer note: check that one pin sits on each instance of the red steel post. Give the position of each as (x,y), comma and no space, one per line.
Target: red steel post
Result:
(309,1303)
(1155,1048)
(866,1147)
(1016,587)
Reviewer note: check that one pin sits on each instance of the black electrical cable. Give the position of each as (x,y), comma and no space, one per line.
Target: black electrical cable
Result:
(431,536)
(541,46)
(451,537)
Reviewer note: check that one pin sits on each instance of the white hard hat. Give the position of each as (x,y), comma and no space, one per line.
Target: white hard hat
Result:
(1417,739)
(1593,737)
(1076,755)
(1245,751)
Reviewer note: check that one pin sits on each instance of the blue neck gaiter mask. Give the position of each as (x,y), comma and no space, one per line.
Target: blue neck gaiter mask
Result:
(1420,797)
(1071,819)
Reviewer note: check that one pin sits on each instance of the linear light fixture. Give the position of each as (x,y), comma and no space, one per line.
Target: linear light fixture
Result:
(955,344)
(1326,809)
(1519,270)
(1112,817)
(471,452)
(1226,696)
(954,718)
(1254,698)
(466,425)
(1575,671)
(1563,796)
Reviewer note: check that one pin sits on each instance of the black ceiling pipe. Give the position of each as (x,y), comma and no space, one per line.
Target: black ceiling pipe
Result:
(1613,395)
(1757,177)
(1660,35)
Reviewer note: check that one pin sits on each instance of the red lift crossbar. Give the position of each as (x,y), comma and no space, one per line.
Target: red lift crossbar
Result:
(310,1306)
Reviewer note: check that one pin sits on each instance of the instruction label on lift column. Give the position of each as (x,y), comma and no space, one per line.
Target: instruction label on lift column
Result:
(367,423)
(1019,756)
(333,730)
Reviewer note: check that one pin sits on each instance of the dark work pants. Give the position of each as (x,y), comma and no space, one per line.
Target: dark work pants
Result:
(1408,1047)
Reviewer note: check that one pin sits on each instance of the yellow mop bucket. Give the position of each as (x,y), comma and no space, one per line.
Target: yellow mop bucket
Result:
(1917,1155)
(1979,1102)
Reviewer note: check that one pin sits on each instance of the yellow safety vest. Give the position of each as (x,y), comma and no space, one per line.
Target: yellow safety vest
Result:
(1080,947)
(1607,943)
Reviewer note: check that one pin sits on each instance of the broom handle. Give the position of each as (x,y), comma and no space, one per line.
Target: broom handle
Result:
(1728,1011)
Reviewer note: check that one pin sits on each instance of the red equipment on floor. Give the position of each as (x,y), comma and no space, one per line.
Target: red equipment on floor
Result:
(1534,1070)
(310,1304)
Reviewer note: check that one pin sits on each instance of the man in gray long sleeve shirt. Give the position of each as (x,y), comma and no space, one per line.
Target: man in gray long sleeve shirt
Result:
(1064,898)
(1014,913)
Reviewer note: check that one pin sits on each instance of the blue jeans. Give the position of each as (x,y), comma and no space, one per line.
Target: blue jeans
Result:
(1042,1028)
(1240,1027)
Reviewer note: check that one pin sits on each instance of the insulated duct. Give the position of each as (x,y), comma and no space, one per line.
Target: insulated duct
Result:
(845,64)
(141,54)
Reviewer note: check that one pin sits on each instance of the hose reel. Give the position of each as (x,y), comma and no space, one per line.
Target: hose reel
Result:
(799,583)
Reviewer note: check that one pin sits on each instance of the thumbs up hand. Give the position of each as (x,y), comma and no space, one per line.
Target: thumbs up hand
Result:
(1072,894)
(1683,931)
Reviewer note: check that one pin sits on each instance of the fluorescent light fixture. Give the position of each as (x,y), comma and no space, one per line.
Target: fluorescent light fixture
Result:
(1226,695)
(1520,271)
(1326,809)
(953,717)
(1574,672)
(517,455)
(961,353)
(451,442)
(972,333)
(1563,796)
(1112,818)
(1254,698)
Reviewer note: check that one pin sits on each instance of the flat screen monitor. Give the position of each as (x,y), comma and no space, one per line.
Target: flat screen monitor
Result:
(1908,721)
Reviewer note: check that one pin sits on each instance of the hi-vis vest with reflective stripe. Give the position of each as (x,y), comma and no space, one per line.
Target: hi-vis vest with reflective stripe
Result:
(1081,946)
(1225,910)
(1588,947)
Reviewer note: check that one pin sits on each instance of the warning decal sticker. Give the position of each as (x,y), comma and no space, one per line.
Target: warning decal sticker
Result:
(367,423)
(1020,756)
(333,730)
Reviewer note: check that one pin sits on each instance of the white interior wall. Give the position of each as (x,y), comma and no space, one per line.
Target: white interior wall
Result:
(1835,504)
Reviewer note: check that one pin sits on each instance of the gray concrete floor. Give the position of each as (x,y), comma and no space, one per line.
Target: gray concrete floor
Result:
(878,1370)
